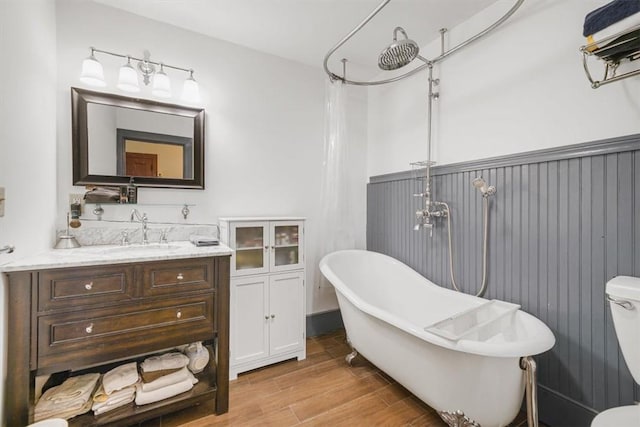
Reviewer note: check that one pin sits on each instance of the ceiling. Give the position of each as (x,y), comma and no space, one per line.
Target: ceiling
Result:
(304,30)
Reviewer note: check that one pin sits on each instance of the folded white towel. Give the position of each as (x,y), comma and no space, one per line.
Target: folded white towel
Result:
(71,398)
(120,377)
(65,413)
(73,388)
(146,397)
(113,405)
(115,400)
(166,380)
(165,361)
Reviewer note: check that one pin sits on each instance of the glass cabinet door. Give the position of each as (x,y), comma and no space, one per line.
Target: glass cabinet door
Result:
(251,244)
(286,245)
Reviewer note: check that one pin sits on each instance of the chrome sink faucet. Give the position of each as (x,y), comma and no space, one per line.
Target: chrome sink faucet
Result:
(135,216)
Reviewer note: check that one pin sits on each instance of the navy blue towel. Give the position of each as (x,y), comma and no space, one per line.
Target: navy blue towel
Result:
(609,14)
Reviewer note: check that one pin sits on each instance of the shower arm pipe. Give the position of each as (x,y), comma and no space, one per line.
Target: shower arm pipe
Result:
(427,190)
(427,62)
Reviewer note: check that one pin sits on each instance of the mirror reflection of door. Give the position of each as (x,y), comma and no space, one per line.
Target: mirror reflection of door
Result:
(141,164)
(168,158)
(148,154)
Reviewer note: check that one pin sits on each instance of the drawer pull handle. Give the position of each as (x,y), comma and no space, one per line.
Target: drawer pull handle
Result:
(89,328)
(179,314)
(180,276)
(88,286)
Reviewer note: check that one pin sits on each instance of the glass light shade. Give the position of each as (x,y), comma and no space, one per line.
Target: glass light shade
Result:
(190,90)
(161,85)
(92,73)
(128,79)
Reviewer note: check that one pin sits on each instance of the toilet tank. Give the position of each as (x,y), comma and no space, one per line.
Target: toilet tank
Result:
(624,300)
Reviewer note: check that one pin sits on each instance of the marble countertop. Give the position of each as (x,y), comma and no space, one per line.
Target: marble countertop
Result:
(113,254)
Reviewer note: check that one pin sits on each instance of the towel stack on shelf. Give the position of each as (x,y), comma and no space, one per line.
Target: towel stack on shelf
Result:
(104,403)
(163,377)
(159,377)
(602,25)
(117,388)
(71,398)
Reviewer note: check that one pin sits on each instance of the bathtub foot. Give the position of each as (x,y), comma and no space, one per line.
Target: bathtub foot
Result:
(528,365)
(349,357)
(457,419)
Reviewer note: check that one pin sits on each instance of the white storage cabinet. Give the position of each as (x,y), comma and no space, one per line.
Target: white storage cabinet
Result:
(267,316)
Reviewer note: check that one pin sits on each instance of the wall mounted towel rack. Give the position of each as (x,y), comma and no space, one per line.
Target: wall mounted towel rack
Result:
(612,51)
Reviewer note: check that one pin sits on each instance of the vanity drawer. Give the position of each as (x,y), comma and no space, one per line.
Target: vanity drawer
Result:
(100,335)
(65,288)
(177,277)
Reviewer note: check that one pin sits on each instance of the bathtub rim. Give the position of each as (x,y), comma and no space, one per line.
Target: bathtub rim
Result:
(543,341)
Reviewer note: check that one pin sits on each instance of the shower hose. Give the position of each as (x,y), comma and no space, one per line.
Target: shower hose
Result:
(485,215)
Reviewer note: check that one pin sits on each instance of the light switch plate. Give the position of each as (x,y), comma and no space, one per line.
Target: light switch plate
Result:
(1,201)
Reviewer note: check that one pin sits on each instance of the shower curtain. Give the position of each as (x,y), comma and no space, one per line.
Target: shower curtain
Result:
(337,214)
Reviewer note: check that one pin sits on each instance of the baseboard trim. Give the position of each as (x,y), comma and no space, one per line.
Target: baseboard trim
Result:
(323,323)
(557,410)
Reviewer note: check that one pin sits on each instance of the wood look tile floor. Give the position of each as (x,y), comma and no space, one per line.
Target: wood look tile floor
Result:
(319,391)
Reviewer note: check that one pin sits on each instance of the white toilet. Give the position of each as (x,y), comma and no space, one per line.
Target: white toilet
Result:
(623,293)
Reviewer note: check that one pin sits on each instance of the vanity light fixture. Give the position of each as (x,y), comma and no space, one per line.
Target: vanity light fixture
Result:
(152,72)
(161,84)
(190,92)
(128,78)
(92,73)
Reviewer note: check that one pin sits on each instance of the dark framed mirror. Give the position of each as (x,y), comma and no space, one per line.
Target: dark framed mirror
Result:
(117,140)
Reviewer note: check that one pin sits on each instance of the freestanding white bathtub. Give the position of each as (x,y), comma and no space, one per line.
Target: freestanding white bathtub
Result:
(386,306)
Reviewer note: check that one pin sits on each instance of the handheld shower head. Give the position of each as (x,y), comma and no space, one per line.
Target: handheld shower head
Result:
(481,185)
(399,53)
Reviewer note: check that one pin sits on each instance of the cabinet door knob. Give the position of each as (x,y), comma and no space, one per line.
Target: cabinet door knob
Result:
(179,314)
(89,328)
(266,317)
(180,276)
(88,286)
(273,316)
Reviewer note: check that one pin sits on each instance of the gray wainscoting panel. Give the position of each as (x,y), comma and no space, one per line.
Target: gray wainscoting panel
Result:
(563,222)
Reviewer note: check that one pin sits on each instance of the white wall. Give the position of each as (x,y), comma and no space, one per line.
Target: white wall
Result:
(520,88)
(264,123)
(101,136)
(27,135)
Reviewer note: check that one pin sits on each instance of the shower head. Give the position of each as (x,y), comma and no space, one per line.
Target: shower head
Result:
(399,53)
(481,185)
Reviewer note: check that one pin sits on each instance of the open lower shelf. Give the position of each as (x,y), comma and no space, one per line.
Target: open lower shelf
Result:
(201,393)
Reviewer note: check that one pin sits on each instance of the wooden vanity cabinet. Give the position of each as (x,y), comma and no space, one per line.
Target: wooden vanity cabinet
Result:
(86,318)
